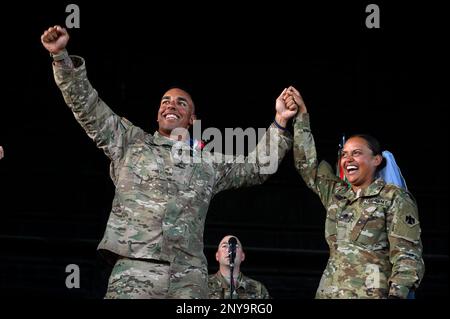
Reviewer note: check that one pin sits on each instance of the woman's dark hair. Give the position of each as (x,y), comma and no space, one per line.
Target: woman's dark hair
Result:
(374,146)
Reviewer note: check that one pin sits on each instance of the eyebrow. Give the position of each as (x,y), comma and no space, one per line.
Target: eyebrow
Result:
(226,243)
(180,98)
(356,149)
(183,99)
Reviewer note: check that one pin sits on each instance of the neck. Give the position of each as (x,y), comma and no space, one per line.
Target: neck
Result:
(225,271)
(362,186)
(183,136)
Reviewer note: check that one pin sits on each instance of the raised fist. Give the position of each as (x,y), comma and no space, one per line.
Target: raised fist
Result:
(55,39)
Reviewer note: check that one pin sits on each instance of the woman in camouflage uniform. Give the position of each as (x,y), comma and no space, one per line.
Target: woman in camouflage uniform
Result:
(372,228)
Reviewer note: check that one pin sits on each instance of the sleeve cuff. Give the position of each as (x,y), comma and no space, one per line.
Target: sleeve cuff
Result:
(398,291)
(284,132)
(302,121)
(62,74)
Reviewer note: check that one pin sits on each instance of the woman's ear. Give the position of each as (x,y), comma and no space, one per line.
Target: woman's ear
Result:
(378,159)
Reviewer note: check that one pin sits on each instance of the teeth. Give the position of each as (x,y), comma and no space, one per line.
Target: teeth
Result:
(171,116)
(351,167)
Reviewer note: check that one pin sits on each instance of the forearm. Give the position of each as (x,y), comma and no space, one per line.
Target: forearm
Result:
(319,178)
(281,120)
(258,165)
(407,270)
(97,119)
(405,247)
(78,92)
(62,60)
(305,155)
(270,151)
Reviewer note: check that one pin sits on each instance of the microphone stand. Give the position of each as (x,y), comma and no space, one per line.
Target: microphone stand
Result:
(232,242)
(231,276)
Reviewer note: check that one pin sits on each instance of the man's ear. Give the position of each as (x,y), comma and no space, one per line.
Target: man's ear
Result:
(192,119)
(217,256)
(243,256)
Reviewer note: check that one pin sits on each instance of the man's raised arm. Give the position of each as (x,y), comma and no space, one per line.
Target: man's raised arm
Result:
(110,132)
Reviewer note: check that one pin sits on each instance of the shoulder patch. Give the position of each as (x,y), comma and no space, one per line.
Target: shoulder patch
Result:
(410,220)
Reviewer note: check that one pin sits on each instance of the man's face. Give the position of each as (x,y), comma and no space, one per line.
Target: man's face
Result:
(175,111)
(222,255)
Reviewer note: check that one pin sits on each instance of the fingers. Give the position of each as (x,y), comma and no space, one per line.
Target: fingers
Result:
(293,89)
(282,95)
(53,33)
(60,30)
(295,95)
(293,107)
(290,102)
(50,35)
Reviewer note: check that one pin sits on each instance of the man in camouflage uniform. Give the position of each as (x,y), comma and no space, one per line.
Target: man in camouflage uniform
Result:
(155,228)
(372,228)
(219,283)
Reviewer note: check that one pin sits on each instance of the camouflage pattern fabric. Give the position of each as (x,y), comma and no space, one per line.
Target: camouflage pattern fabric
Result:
(138,279)
(373,236)
(160,203)
(247,288)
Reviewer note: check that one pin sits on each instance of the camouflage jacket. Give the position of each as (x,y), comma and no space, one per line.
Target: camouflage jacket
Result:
(160,202)
(247,288)
(374,236)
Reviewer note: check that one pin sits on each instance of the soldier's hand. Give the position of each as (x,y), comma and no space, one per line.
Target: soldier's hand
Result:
(280,107)
(296,99)
(2,153)
(289,101)
(285,106)
(280,104)
(55,39)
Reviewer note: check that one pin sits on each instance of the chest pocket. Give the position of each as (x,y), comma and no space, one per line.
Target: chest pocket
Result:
(344,224)
(331,221)
(370,229)
(144,165)
(202,180)
(182,174)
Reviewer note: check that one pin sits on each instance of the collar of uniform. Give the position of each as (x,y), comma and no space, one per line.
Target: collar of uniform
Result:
(372,190)
(344,191)
(160,139)
(224,283)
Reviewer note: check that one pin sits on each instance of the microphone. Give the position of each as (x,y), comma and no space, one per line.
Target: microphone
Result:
(232,242)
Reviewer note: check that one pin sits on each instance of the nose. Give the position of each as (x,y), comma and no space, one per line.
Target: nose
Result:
(345,160)
(172,103)
(348,157)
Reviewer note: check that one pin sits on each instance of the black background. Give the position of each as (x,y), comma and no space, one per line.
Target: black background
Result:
(55,191)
